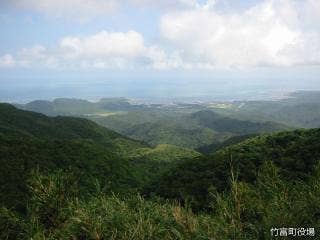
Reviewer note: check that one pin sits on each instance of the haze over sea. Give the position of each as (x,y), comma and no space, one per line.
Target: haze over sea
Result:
(160,91)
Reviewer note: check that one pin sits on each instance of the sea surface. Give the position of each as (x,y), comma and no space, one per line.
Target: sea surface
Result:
(160,91)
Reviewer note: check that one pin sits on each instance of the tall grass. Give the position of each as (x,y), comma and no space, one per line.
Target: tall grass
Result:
(248,211)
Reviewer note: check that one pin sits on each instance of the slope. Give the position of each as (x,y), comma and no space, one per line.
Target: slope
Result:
(38,125)
(295,153)
(31,141)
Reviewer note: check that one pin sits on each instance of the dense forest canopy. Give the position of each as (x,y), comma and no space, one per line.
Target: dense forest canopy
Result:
(195,172)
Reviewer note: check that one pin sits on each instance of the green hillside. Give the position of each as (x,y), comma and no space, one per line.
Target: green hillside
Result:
(185,125)
(198,129)
(183,134)
(30,141)
(69,178)
(61,106)
(123,121)
(165,153)
(295,154)
(213,147)
(220,123)
(19,157)
(67,128)
(301,109)
(71,106)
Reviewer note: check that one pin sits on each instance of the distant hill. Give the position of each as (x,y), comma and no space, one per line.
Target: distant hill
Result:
(300,109)
(220,123)
(191,125)
(60,106)
(183,134)
(67,128)
(124,121)
(71,106)
(198,129)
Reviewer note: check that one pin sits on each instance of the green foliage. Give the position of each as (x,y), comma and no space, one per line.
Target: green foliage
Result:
(49,195)
(196,130)
(177,132)
(185,125)
(68,178)
(220,123)
(37,125)
(157,160)
(19,157)
(295,153)
(248,211)
(31,141)
(164,153)
(213,147)
(12,226)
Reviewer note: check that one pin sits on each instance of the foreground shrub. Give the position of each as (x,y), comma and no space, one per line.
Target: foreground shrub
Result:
(56,210)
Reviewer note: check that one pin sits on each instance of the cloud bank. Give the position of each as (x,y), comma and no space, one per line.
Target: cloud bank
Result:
(103,50)
(270,33)
(193,35)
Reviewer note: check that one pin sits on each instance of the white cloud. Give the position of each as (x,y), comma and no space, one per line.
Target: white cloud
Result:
(312,13)
(105,44)
(104,49)
(115,50)
(37,56)
(269,33)
(7,61)
(161,60)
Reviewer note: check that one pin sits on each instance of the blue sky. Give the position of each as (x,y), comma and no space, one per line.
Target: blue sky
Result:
(149,39)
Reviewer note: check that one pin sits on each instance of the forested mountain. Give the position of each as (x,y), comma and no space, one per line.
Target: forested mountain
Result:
(299,109)
(31,140)
(70,178)
(198,129)
(295,153)
(219,123)
(185,125)
(173,131)
(68,106)
(67,128)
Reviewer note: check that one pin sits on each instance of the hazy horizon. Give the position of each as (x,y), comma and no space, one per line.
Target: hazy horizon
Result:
(222,50)
(160,90)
